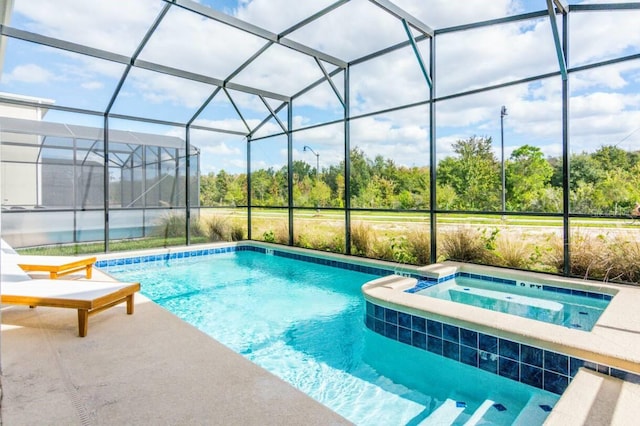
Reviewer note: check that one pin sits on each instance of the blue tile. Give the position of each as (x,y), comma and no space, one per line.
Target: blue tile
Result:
(603,369)
(556,362)
(499,407)
(509,368)
(625,375)
(419,324)
(391,331)
(531,355)
(450,333)
(391,316)
(488,343)
(556,383)
(488,361)
(574,365)
(451,350)
(434,344)
(591,365)
(469,356)
(370,309)
(434,328)
(531,375)
(469,338)
(509,349)
(378,326)
(378,312)
(369,322)
(419,340)
(404,335)
(404,320)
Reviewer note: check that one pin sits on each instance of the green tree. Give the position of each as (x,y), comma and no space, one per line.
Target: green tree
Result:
(208,191)
(527,175)
(611,157)
(360,172)
(320,195)
(473,174)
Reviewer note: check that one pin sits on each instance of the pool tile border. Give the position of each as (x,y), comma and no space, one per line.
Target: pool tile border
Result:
(367,269)
(538,367)
(423,281)
(426,282)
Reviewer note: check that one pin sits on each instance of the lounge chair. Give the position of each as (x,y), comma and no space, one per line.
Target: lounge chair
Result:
(88,297)
(56,266)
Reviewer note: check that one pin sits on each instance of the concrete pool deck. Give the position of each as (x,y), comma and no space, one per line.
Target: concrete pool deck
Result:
(144,369)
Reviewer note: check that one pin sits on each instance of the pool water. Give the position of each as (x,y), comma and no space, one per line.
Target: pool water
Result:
(569,310)
(304,322)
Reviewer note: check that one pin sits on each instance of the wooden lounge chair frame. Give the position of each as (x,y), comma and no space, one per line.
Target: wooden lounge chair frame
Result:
(88,297)
(57,266)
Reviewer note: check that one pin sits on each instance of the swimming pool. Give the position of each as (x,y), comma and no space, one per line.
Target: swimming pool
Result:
(576,309)
(304,322)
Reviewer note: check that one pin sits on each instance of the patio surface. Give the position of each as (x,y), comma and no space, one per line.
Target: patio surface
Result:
(152,368)
(149,368)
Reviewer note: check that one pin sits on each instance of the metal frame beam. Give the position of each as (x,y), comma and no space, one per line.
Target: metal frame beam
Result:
(414,46)
(556,39)
(403,15)
(605,6)
(273,114)
(330,81)
(256,31)
(113,57)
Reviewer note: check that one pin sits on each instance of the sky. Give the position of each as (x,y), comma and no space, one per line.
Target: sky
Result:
(604,105)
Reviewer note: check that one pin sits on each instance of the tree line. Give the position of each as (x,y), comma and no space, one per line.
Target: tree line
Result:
(605,182)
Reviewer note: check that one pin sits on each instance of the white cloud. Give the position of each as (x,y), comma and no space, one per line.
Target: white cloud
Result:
(278,15)
(92,85)
(104,24)
(598,35)
(28,73)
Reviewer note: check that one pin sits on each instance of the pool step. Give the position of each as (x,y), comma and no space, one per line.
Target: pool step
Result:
(533,413)
(445,414)
(478,415)
(449,412)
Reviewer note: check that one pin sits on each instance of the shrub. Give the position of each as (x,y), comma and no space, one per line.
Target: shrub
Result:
(237,232)
(514,252)
(218,229)
(420,247)
(386,249)
(172,225)
(362,240)
(269,236)
(589,256)
(282,235)
(464,244)
(625,254)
